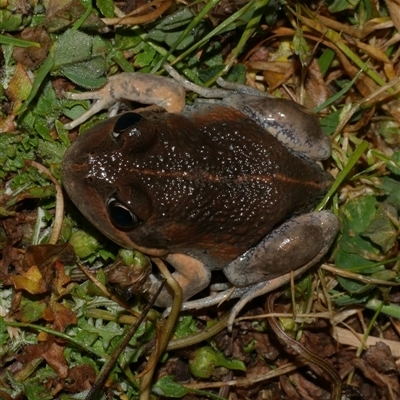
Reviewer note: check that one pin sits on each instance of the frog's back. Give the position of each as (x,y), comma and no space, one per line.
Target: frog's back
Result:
(225,183)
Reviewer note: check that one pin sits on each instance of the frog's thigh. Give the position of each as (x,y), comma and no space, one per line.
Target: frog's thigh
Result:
(191,274)
(292,124)
(301,241)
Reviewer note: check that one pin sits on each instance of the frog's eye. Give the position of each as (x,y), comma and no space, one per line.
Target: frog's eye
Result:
(120,215)
(126,121)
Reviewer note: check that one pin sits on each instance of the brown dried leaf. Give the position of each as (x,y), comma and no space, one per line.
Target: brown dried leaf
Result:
(31,281)
(19,88)
(7,124)
(46,256)
(50,351)
(355,31)
(307,389)
(61,14)
(32,57)
(60,280)
(394,11)
(316,90)
(275,72)
(381,358)
(373,361)
(63,317)
(80,378)
(54,355)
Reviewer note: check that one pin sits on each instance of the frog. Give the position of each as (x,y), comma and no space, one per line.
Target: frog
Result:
(226,183)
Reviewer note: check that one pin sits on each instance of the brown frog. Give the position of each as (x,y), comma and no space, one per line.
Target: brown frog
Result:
(222,184)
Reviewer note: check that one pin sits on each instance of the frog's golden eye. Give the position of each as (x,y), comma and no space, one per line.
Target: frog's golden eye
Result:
(125,121)
(120,215)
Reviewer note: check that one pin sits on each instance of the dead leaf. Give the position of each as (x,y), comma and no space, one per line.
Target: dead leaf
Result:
(377,365)
(31,281)
(316,90)
(394,11)
(61,279)
(32,57)
(63,317)
(54,355)
(80,378)
(19,87)
(46,256)
(61,14)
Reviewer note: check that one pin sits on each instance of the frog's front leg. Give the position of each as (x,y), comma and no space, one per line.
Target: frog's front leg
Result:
(190,273)
(142,88)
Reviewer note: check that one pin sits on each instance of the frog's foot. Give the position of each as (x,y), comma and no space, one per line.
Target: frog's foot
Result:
(191,275)
(98,105)
(251,292)
(142,88)
(245,294)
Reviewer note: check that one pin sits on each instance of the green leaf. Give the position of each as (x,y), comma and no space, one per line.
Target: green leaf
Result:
(106,7)
(392,189)
(34,391)
(81,58)
(108,332)
(84,244)
(358,213)
(12,21)
(301,47)
(354,262)
(341,5)
(381,230)
(206,359)
(166,386)
(356,244)
(330,122)
(390,131)
(4,336)
(394,166)
(84,74)
(230,364)
(343,300)
(41,75)
(145,58)
(37,192)
(31,311)
(186,326)
(354,287)
(325,61)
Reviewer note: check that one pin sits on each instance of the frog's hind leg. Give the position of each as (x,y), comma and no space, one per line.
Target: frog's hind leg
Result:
(229,88)
(296,245)
(205,92)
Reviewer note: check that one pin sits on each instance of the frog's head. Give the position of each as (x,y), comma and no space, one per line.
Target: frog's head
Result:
(139,179)
(100,180)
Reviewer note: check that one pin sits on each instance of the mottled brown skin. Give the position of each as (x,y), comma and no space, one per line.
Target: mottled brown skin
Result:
(207,182)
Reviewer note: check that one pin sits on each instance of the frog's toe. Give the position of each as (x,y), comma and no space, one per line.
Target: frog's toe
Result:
(95,95)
